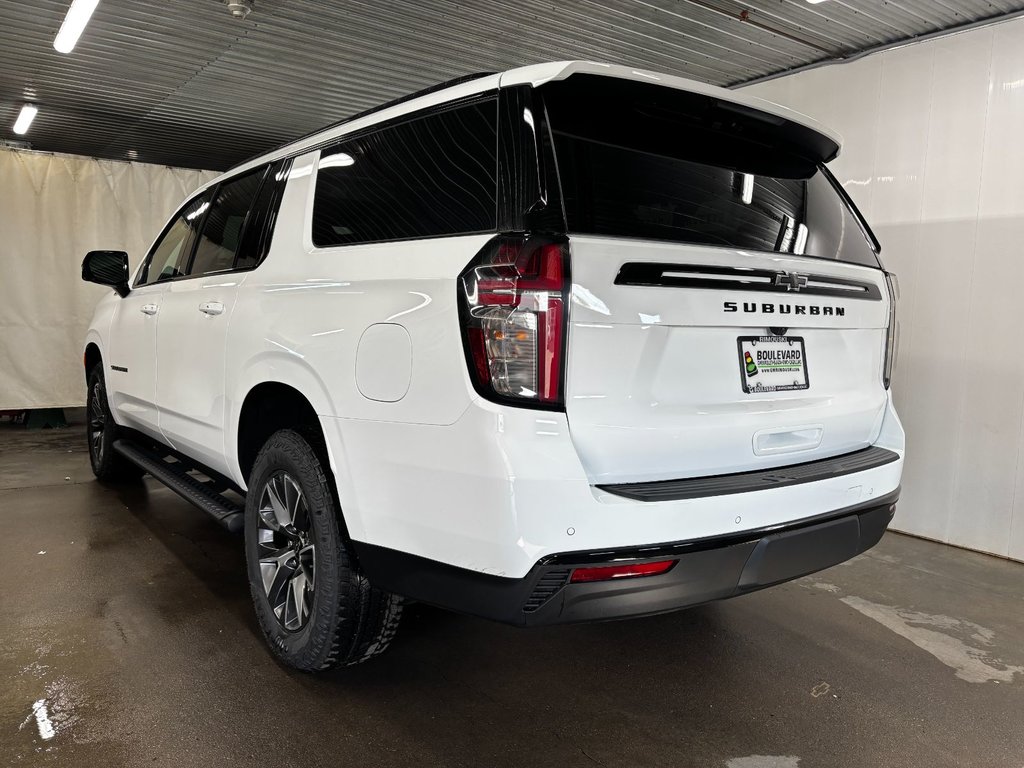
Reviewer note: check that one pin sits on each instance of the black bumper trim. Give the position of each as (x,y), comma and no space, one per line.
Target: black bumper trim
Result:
(707,569)
(758,480)
(678,548)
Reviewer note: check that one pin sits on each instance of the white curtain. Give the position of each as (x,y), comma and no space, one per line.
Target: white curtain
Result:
(54,208)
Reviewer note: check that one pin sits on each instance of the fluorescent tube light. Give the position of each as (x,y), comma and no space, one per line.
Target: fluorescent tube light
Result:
(25,118)
(198,211)
(748,188)
(77,17)
(340,160)
(801,240)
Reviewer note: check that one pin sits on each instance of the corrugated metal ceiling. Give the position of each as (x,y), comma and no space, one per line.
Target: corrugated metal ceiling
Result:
(184,83)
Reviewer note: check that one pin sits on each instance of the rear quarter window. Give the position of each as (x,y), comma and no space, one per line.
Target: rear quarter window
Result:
(430,176)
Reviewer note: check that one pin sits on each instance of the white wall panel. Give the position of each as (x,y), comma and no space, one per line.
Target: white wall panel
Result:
(54,208)
(933,155)
(1002,205)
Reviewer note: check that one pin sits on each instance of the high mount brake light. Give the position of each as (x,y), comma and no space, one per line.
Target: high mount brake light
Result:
(513,304)
(608,572)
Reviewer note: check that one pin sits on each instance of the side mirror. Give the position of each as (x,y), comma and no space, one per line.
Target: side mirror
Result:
(107,268)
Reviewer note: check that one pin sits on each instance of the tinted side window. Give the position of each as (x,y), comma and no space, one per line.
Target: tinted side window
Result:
(169,257)
(432,176)
(260,226)
(222,231)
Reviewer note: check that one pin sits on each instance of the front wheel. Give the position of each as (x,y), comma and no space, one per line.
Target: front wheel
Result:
(101,431)
(315,607)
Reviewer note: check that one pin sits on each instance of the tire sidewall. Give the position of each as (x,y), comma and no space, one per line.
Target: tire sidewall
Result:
(308,647)
(103,467)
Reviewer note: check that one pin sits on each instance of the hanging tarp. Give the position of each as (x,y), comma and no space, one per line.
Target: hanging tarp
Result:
(54,208)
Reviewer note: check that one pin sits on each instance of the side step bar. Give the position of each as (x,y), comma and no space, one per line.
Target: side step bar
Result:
(175,476)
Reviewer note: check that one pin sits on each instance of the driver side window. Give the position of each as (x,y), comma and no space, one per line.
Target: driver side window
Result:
(169,257)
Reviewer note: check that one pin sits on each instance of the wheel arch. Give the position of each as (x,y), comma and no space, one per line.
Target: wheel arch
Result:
(261,376)
(92,356)
(274,405)
(253,375)
(268,407)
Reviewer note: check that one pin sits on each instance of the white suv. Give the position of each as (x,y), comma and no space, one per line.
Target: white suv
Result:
(569,343)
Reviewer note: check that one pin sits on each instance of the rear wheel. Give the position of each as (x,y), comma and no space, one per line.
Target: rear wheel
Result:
(101,432)
(316,609)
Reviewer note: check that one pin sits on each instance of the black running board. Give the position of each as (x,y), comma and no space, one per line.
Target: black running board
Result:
(175,476)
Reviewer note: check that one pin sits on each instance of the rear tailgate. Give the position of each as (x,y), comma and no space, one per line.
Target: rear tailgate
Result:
(728,310)
(656,374)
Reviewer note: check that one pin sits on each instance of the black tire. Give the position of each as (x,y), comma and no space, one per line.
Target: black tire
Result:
(101,432)
(316,609)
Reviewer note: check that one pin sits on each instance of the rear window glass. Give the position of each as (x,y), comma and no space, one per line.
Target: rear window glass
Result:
(684,168)
(429,177)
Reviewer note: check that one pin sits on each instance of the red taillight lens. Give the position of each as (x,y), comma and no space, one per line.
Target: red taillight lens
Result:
(608,572)
(514,300)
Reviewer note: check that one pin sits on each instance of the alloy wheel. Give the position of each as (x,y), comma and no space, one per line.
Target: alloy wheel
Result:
(287,556)
(97,423)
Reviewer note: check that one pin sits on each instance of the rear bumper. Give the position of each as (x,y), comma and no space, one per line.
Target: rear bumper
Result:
(502,489)
(706,569)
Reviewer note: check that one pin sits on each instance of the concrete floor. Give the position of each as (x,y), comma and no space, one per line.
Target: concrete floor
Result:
(127,638)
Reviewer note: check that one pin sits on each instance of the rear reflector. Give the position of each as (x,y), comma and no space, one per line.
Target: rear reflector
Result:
(607,572)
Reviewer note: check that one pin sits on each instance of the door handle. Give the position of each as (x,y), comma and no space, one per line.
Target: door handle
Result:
(211,308)
(148,309)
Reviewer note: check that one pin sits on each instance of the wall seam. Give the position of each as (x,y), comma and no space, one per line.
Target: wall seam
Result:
(919,234)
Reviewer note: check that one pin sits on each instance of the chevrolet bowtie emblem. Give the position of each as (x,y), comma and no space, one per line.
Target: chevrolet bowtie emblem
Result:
(792,280)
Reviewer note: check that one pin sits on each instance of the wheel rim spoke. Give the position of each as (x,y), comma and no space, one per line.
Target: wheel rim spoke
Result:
(278,506)
(286,554)
(299,513)
(307,562)
(297,595)
(277,576)
(97,418)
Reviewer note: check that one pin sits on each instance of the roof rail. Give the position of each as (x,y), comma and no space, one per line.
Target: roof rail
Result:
(380,107)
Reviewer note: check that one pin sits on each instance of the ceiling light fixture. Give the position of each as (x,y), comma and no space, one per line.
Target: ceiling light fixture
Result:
(815,2)
(25,118)
(77,17)
(239,8)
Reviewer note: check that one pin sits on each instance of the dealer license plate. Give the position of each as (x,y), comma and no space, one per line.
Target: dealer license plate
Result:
(772,363)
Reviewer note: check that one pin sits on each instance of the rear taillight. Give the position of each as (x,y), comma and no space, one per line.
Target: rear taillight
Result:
(608,572)
(892,333)
(513,305)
